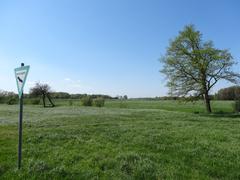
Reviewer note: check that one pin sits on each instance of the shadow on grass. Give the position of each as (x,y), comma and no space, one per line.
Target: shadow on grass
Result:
(221,114)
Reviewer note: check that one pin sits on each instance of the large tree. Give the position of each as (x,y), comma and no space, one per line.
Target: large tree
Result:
(194,66)
(42,90)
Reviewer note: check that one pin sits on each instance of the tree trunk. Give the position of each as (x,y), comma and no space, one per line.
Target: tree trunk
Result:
(44,104)
(207,102)
(50,100)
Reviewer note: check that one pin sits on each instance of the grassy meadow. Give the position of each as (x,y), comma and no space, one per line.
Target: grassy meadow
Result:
(134,139)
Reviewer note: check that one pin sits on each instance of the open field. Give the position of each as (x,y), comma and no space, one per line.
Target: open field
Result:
(180,106)
(124,140)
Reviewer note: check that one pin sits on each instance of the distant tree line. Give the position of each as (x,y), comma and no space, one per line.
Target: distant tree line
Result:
(65,95)
(8,97)
(60,95)
(230,93)
(36,93)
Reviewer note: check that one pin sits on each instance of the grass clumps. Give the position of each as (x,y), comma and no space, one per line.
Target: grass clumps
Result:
(2,170)
(137,166)
(37,166)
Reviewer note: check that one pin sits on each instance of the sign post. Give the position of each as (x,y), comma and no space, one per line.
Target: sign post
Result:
(21,76)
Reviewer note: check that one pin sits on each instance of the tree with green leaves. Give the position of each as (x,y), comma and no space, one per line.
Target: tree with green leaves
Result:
(193,66)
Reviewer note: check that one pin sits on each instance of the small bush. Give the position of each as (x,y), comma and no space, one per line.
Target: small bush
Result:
(70,102)
(123,104)
(196,112)
(87,101)
(12,101)
(99,102)
(2,100)
(236,106)
(220,112)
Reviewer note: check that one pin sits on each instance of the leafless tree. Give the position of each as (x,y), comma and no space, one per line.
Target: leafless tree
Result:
(42,90)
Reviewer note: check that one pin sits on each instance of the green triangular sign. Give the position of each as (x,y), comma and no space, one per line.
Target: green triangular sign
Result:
(21,76)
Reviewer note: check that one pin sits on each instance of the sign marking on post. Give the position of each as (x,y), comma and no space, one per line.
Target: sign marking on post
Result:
(21,76)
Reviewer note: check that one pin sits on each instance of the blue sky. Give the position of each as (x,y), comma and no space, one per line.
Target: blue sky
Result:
(108,46)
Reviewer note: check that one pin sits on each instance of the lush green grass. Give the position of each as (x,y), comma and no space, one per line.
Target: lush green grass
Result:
(182,106)
(124,140)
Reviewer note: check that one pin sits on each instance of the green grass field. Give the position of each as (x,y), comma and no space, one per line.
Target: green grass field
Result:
(124,140)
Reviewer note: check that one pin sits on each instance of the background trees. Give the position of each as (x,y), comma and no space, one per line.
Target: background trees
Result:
(193,66)
(230,93)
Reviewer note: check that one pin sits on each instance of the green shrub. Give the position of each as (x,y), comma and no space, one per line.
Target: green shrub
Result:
(87,101)
(2,100)
(99,102)
(12,101)
(70,102)
(236,106)
(123,104)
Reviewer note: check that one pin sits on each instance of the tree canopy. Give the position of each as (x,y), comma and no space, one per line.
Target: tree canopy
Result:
(193,66)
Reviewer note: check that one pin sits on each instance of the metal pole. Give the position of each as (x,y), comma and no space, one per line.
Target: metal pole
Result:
(20,130)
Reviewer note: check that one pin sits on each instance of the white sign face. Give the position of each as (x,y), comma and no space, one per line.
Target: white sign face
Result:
(21,76)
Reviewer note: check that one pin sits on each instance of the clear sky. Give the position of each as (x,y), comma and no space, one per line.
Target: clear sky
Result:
(106,46)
